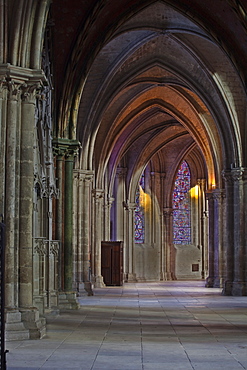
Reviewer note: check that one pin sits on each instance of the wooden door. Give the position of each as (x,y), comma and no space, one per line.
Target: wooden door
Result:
(112,262)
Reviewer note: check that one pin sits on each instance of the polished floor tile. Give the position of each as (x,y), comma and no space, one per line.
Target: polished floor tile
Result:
(144,326)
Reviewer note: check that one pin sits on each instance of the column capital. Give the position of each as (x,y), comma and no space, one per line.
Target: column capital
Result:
(129,206)
(20,75)
(21,81)
(64,147)
(29,92)
(98,194)
(168,211)
(216,194)
(84,175)
(234,175)
(201,182)
(121,172)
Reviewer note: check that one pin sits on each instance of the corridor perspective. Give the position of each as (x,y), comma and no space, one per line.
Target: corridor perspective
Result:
(169,325)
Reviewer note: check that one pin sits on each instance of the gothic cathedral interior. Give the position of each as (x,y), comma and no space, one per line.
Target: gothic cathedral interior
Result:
(123,132)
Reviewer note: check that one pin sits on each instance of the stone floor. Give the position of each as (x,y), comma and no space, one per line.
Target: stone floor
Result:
(152,326)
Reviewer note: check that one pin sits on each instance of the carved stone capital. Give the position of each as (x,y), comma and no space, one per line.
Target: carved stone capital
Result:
(168,211)
(14,89)
(234,175)
(216,194)
(98,194)
(129,206)
(121,172)
(84,176)
(29,92)
(201,183)
(65,147)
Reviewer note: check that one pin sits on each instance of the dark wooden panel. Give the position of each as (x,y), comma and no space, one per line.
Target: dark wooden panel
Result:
(112,263)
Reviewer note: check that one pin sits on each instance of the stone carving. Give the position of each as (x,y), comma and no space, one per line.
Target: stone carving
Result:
(44,172)
(41,246)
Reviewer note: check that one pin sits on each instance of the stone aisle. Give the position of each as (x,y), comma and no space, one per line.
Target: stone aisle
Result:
(146,326)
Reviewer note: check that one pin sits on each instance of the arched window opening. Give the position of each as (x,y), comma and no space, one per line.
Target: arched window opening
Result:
(139,213)
(181,206)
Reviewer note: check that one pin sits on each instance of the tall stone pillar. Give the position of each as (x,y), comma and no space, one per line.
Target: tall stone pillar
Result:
(83,217)
(169,273)
(119,194)
(235,232)
(26,201)
(203,227)
(68,220)
(215,243)
(107,218)
(66,151)
(59,231)
(30,315)
(162,227)
(3,130)
(130,241)
(11,210)
(97,227)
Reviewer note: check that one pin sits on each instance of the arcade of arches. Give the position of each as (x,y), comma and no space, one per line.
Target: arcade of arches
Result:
(94,96)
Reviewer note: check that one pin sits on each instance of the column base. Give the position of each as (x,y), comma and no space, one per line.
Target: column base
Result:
(67,301)
(212,282)
(168,276)
(99,282)
(235,288)
(14,326)
(33,322)
(85,288)
(132,278)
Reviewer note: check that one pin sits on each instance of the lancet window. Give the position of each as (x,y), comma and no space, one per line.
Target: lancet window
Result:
(139,213)
(181,206)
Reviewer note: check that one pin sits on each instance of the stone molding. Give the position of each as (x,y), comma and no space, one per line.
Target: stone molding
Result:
(216,194)
(168,211)
(235,175)
(83,175)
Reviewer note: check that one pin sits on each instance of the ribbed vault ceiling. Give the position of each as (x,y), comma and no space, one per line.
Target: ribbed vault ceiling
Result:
(160,80)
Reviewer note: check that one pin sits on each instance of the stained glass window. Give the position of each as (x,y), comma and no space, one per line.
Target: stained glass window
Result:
(139,213)
(181,206)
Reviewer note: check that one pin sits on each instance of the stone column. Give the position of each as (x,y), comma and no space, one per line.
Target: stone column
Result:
(66,150)
(235,232)
(215,245)
(30,315)
(84,232)
(162,227)
(97,227)
(26,201)
(107,217)
(59,151)
(3,130)
(130,241)
(68,221)
(203,225)
(120,195)
(220,196)
(169,273)
(118,213)
(22,319)
(11,298)
(212,241)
